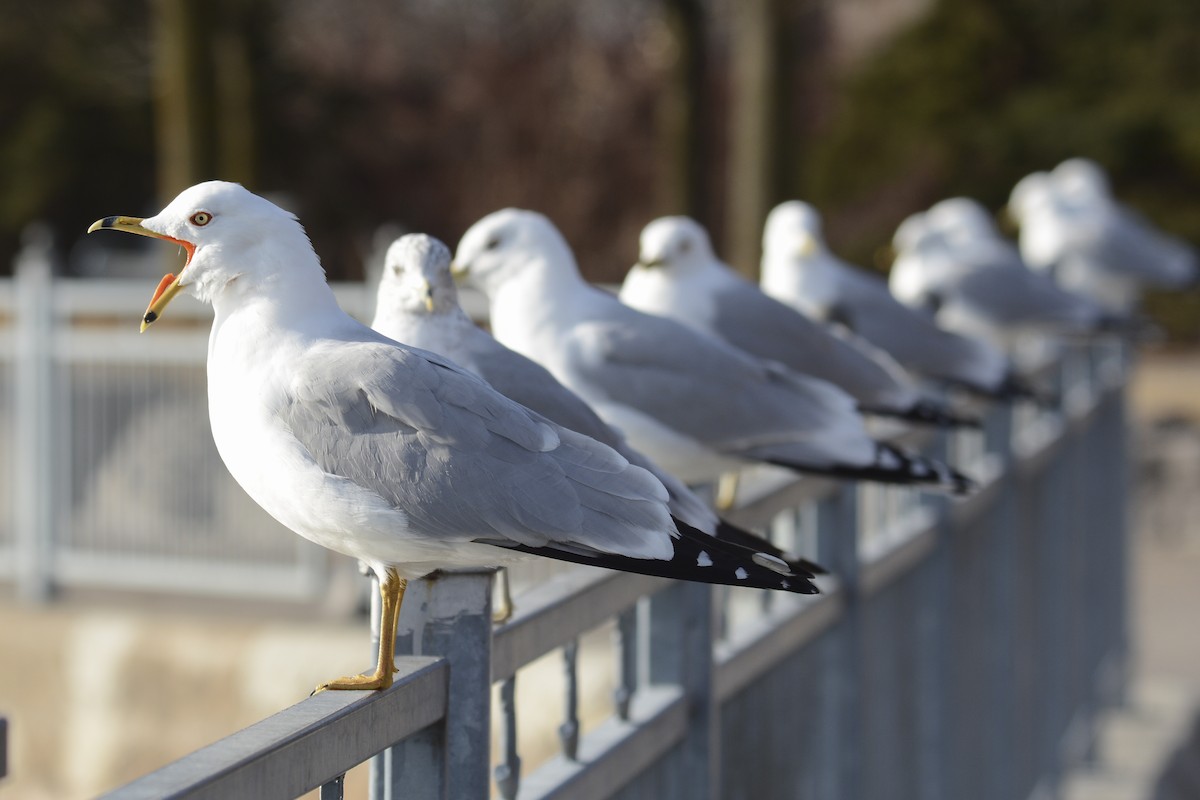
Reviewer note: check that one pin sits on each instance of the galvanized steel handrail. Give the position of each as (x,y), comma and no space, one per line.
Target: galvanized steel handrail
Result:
(306,746)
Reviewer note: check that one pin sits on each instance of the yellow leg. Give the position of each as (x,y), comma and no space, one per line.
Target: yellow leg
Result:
(391,591)
(503,611)
(727,489)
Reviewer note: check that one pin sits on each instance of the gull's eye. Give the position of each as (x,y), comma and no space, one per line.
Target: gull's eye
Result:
(200,218)
(492,243)
(685,246)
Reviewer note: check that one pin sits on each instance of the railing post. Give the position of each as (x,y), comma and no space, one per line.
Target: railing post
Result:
(997,541)
(933,650)
(33,417)
(447,615)
(838,531)
(680,652)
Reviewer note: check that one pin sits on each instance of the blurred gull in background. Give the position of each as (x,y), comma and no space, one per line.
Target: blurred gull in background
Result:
(1072,227)
(799,269)
(679,277)
(953,262)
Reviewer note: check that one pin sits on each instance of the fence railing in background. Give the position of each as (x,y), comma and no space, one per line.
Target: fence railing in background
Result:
(110,478)
(960,649)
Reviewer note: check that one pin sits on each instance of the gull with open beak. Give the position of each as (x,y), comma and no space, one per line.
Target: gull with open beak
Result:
(393,455)
(170,285)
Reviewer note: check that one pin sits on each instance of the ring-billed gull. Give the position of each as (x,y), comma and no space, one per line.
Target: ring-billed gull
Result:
(696,405)
(953,262)
(799,269)
(1072,226)
(394,455)
(418,305)
(679,276)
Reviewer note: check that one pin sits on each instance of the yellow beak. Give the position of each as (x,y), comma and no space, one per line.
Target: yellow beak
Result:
(429,297)
(458,272)
(806,247)
(169,286)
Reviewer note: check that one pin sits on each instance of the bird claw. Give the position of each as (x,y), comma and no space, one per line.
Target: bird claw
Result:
(372,682)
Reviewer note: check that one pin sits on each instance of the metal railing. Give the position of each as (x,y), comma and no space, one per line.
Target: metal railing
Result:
(963,649)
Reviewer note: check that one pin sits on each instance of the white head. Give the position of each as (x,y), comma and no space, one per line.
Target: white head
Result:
(235,240)
(912,233)
(416,277)
(793,229)
(1081,179)
(1032,195)
(504,243)
(961,220)
(674,243)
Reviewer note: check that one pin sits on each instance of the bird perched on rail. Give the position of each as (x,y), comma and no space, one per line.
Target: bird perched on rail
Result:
(418,305)
(678,276)
(393,455)
(953,263)
(1073,227)
(799,269)
(696,405)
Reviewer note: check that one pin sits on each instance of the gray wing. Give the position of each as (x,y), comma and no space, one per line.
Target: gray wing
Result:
(750,320)
(915,340)
(530,384)
(464,462)
(1131,246)
(1015,296)
(709,391)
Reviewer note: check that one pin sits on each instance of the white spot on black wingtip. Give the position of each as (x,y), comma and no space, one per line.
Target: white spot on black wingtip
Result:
(772,563)
(784,585)
(740,573)
(703,560)
(887,460)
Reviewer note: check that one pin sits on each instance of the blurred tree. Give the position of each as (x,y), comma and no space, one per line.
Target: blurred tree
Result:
(981,92)
(75,111)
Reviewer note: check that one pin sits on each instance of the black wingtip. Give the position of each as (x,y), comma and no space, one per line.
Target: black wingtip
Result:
(1011,389)
(926,412)
(801,566)
(898,466)
(698,557)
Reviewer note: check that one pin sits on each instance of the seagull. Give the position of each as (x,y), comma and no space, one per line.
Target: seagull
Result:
(391,454)
(696,405)
(953,262)
(799,270)
(679,276)
(1073,227)
(418,305)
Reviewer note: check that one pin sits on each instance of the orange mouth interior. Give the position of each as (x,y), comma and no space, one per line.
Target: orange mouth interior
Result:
(166,281)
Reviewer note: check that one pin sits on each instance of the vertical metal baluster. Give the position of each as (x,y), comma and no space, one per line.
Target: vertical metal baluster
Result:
(568,732)
(627,659)
(508,773)
(766,598)
(721,612)
(333,789)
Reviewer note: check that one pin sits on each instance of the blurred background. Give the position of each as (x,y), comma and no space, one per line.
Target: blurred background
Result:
(374,116)
(431,113)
